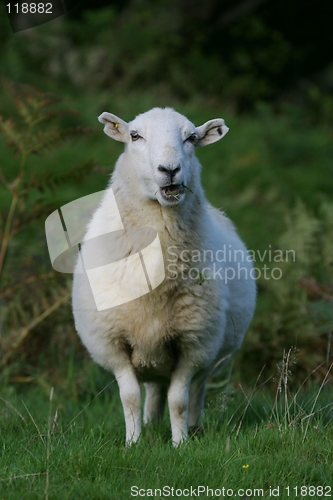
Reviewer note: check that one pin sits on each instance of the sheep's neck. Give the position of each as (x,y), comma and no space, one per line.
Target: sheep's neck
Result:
(173,224)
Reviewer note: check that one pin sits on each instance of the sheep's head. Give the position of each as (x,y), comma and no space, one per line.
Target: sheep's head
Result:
(161,145)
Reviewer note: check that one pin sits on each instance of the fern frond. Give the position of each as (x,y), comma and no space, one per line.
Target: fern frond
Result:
(19,335)
(27,216)
(29,293)
(11,290)
(45,180)
(53,137)
(36,99)
(14,137)
(35,110)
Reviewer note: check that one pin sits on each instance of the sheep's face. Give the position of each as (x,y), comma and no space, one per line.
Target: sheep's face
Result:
(160,145)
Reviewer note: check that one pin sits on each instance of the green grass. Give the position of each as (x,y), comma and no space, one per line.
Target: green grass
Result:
(61,448)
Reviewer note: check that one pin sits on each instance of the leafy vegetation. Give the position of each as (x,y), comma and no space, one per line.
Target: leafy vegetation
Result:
(33,131)
(237,53)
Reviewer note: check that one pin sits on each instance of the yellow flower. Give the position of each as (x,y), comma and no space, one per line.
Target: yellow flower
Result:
(245,466)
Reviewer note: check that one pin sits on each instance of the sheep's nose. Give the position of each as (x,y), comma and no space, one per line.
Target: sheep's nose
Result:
(169,170)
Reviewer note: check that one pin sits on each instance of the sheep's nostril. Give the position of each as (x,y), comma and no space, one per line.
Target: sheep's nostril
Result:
(169,170)
(164,169)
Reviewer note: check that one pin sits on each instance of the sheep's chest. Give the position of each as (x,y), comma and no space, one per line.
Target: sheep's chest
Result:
(152,341)
(165,323)
(155,365)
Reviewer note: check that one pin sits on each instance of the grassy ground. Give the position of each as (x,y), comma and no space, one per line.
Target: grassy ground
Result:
(63,448)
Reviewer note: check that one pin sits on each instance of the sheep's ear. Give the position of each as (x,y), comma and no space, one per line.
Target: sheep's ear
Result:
(114,127)
(211,131)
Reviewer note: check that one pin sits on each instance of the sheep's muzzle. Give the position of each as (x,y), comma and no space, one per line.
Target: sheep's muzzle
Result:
(173,192)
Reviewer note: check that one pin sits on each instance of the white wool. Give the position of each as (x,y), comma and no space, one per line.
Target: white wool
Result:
(172,337)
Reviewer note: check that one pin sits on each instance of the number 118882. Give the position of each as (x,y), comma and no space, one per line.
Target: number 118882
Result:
(30,8)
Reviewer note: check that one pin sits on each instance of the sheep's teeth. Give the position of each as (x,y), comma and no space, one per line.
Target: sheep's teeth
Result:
(173,189)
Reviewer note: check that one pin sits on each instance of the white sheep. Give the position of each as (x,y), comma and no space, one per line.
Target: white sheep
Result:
(173,337)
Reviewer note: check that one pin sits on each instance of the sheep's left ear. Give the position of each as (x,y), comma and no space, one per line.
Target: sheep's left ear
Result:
(114,127)
(211,131)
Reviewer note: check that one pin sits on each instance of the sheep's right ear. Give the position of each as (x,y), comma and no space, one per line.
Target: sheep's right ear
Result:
(114,127)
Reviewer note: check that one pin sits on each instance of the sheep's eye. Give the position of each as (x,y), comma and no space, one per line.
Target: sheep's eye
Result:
(135,136)
(191,138)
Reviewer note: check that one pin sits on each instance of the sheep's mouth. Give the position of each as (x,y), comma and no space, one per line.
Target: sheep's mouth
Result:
(173,192)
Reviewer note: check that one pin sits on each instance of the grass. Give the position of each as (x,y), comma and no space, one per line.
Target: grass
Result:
(69,448)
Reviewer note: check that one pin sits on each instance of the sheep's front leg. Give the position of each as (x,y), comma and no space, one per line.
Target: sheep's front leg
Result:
(178,401)
(154,402)
(130,396)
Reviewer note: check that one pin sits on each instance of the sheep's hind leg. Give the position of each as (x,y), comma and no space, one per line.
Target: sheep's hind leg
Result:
(154,402)
(196,403)
(130,396)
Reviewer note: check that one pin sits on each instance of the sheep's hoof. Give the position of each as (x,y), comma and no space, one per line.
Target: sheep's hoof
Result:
(131,441)
(179,441)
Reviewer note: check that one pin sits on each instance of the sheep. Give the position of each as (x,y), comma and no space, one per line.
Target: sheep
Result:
(172,338)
